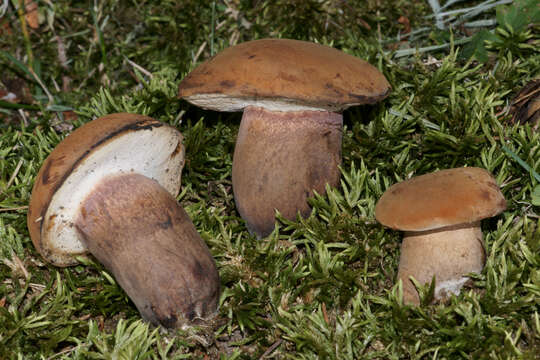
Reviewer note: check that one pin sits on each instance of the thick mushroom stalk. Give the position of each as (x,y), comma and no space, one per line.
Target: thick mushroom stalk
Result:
(280,81)
(137,230)
(440,213)
(446,254)
(109,188)
(280,158)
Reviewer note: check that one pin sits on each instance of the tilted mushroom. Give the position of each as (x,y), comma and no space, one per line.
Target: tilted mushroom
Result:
(108,189)
(289,142)
(440,214)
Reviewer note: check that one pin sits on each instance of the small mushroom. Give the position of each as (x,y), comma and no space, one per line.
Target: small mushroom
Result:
(440,214)
(108,189)
(289,142)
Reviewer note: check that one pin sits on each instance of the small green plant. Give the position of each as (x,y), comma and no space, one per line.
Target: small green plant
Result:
(512,33)
(535,193)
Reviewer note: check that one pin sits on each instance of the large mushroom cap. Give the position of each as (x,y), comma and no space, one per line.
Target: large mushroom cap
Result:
(113,144)
(439,199)
(283,74)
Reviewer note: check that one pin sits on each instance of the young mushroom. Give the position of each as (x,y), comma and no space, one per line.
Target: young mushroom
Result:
(289,142)
(440,214)
(108,189)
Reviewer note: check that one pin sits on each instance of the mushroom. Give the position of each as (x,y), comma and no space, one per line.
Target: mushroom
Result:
(108,189)
(440,214)
(289,141)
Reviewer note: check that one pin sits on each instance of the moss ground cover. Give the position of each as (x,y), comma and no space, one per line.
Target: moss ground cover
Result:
(322,287)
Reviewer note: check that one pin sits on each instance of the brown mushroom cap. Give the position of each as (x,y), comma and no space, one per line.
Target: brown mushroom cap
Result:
(102,147)
(281,73)
(440,199)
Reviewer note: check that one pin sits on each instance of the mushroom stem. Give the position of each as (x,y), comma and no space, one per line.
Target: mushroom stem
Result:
(280,158)
(447,253)
(138,231)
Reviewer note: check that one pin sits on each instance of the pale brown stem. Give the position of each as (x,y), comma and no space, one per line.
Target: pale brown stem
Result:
(448,254)
(138,231)
(280,158)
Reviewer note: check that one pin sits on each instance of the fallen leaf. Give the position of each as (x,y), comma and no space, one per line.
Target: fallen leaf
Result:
(69,116)
(525,106)
(31,16)
(363,23)
(403,20)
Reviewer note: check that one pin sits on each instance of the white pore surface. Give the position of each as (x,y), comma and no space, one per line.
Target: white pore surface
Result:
(146,152)
(220,102)
(449,286)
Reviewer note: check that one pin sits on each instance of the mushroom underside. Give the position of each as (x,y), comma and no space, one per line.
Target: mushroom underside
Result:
(447,254)
(280,159)
(137,230)
(156,153)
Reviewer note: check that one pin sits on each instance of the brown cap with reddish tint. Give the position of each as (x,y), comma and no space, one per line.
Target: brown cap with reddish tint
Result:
(283,72)
(101,147)
(443,198)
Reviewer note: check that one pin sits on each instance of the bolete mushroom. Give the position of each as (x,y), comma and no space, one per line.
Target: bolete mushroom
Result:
(440,214)
(108,189)
(289,142)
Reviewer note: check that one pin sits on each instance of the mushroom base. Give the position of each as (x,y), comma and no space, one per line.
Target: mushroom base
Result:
(138,231)
(280,159)
(446,254)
